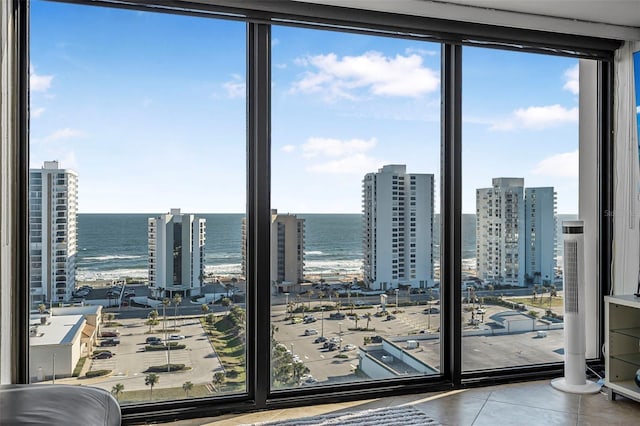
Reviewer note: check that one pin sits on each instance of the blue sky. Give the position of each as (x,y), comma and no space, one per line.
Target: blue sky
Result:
(149,109)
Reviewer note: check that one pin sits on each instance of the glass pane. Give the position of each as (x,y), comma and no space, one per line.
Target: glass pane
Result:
(355,247)
(520,182)
(135,223)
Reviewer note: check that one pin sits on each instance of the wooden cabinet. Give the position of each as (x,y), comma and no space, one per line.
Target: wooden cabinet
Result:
(622,350)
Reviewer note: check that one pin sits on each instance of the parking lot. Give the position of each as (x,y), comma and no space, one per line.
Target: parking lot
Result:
(480,352)
(131,360)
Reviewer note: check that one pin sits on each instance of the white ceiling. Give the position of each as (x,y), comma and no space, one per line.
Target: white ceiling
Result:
(615,12)
(617,19)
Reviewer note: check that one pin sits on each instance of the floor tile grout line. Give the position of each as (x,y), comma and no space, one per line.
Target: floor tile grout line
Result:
(481,408)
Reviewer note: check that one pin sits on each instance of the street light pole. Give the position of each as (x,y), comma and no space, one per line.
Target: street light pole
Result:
(287,305)
(322,321)
(397,291)
(340,335)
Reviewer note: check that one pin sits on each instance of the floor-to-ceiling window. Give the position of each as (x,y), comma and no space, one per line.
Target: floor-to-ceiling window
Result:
(520,182)
(139,127)
(355,207)
(137,191)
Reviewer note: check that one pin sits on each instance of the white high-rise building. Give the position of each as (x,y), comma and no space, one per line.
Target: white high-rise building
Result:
(540,219)
(53,208)
(515,233)
(287,249)
(176,254)
(397,228)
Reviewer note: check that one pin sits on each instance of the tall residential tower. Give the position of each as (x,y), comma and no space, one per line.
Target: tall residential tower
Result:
(287,249)
(176,254)
(53,207)
(397,228)
(515,233)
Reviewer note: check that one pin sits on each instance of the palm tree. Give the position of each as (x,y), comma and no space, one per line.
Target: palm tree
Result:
(186,387)
(226,302)
(356,317)
(368,317)
(218,379)
(298,370)
(204,308)
(117,389)
(310,293)
(165,303)
(150,380)
(177,299)
(109,316)
(153,319)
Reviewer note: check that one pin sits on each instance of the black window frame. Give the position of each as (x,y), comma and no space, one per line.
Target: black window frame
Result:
(259,17)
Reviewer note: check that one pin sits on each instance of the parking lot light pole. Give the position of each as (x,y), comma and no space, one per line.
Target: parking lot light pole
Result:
(322,321)
(340,335)
(397,291)
(287,305)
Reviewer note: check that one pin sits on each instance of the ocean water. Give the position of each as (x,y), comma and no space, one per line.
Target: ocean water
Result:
(112,246)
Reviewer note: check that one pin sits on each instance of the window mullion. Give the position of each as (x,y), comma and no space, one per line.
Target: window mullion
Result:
(258,210)
(451,254)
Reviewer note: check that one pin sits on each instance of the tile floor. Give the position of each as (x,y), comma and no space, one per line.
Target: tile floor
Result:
(531,403)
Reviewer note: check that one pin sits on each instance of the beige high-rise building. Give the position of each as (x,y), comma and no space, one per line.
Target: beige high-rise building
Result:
(287,248)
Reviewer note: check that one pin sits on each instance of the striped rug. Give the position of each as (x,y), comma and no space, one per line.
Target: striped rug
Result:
(391,416)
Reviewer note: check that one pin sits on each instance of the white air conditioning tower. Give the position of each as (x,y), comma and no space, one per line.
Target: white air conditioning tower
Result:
(574,380)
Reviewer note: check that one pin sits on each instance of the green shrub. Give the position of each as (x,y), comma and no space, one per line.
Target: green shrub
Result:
(97,373)
(79,365)
(163,368)
(174,346)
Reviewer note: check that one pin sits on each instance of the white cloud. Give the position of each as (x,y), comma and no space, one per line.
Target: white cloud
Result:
(638,109)
(64,134)
(38,83)
(329,147)
(356,164)
(559,165)
(421,52)
(288,148)
(235,88)
(336,156)
(538,117)
(275,42)
(36,112)
(572,79)
(336,78)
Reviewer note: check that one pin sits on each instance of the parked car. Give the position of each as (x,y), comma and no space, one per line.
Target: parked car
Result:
(376,339)
(153,340)
(320,339)
(309,319)
(335,340)
(103,355)
(310,331)
(176,337)
(390,317)
(110,342)
(310,380)
(349,347)
(109,334)
(332,347)
(432,310)
(337,315)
